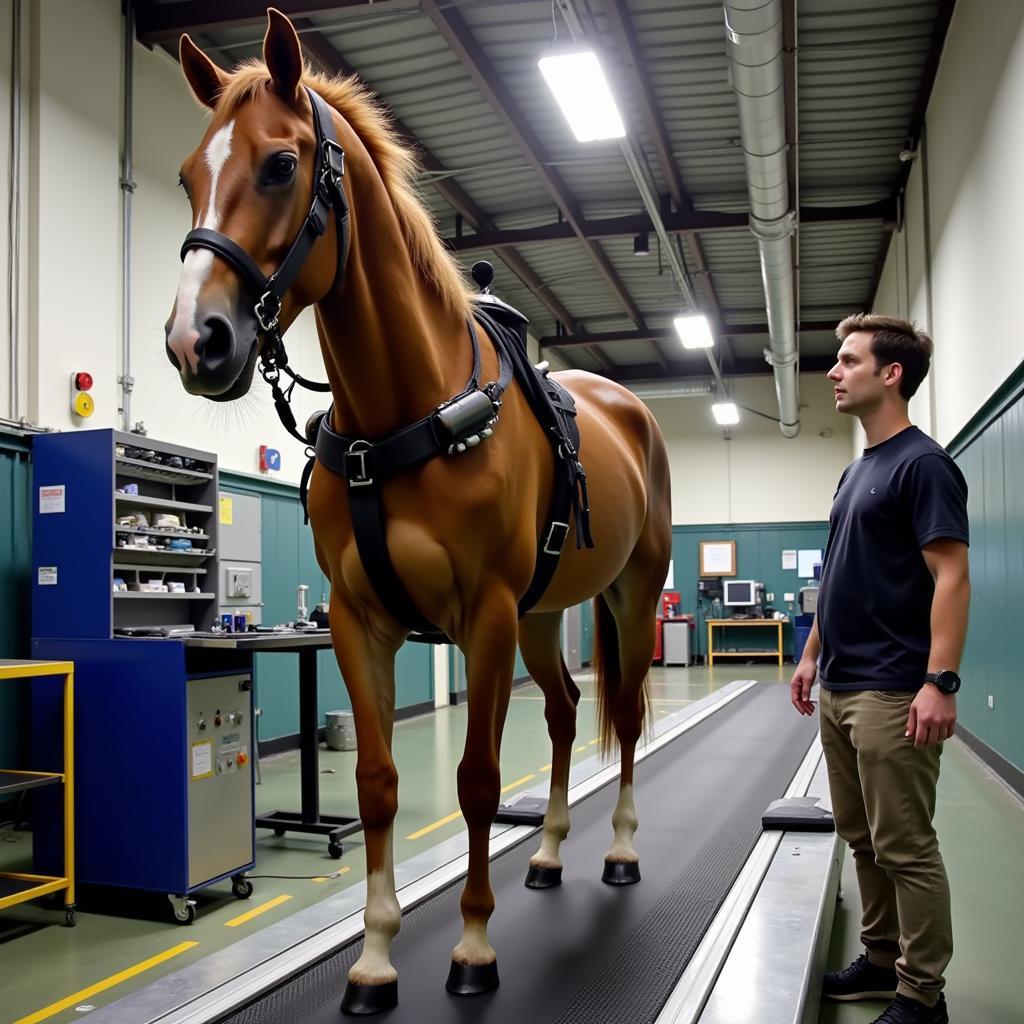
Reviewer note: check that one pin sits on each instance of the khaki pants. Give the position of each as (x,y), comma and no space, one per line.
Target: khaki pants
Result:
(883,799)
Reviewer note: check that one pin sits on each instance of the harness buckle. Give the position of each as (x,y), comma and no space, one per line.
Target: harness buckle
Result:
(356,456)
(555,539)
(267,321)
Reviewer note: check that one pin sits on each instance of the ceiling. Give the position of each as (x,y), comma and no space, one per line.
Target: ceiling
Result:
(507,182)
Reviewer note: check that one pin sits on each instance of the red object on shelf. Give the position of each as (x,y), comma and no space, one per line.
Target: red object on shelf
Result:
(83,381)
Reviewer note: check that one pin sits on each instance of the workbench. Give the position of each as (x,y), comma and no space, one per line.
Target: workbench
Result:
(723,624)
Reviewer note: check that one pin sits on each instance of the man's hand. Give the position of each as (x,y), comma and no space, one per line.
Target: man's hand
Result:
(932,717)
(800,686)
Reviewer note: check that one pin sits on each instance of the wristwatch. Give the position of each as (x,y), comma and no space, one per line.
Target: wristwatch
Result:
(946,681)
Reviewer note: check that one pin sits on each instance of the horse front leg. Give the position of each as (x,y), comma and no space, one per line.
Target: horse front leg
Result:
(368,667)
(490,651)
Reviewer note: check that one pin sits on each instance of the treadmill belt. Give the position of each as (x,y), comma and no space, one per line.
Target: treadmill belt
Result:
(588,952)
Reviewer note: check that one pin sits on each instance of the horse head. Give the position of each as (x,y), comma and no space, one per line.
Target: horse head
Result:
(252,195)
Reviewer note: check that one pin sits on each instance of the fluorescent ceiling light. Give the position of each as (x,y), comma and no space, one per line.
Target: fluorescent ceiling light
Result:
(694,331)
(582,92)
(725,413)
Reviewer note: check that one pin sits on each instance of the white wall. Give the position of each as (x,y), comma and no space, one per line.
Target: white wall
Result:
(758,476)
(974,150)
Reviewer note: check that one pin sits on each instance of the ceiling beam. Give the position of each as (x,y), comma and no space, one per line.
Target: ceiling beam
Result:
(741,368)
(943,16)
(456,33)
(324,53)
(701,221)
(669,334)
(157,23)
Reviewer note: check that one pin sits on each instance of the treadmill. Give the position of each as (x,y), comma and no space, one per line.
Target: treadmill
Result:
(581,953)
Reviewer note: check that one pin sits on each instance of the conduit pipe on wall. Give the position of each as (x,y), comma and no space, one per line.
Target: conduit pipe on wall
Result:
(14,221)
(125,379)
(754,39)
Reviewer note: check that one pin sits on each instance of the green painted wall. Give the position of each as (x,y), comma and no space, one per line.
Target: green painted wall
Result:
(990,452)
(759,548)
(15,565)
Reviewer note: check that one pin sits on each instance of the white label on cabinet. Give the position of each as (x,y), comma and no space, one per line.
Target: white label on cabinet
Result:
(51,499)
(47,576)
(202,760)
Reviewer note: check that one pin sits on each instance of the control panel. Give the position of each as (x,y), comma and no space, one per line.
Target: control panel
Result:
(220,775)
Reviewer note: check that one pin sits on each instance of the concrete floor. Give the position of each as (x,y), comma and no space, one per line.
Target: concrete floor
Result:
(125,941)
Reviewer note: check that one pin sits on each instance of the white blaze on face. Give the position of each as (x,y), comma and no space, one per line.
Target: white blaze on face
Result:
(198,262)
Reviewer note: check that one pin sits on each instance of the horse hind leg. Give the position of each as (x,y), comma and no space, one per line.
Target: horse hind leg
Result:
(539,643)
(624,627)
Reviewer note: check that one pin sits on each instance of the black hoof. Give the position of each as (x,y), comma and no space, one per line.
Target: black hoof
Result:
(543,878)
(363,1000)
(472,979)
(617,872)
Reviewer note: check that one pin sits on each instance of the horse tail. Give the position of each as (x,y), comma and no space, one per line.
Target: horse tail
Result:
(608,668)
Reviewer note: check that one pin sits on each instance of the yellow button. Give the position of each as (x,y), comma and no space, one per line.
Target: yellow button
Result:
(83,405)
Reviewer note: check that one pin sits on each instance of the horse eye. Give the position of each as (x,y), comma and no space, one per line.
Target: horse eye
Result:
(280,169)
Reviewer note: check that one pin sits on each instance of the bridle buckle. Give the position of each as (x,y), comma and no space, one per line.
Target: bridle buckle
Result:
(267,320)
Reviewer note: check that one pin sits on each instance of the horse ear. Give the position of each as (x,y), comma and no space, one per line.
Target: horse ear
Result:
(204,77)
(282,53)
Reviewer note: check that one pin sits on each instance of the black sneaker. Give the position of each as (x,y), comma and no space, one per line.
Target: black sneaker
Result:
(904,1010)
(861,980)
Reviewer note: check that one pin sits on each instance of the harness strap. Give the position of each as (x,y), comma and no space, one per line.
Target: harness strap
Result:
(366,465)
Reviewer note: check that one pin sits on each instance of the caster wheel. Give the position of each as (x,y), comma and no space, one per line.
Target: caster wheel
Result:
(334,850)
(69,916)
(184,909)
(241,887)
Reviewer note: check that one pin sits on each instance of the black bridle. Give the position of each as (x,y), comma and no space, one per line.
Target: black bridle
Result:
(328,195)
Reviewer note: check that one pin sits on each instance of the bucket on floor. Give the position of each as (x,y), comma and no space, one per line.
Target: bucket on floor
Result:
(341,730)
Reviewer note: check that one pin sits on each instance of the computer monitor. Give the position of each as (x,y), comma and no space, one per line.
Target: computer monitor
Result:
(739,593)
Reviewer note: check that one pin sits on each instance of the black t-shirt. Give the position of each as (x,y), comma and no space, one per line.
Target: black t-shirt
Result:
(874,608)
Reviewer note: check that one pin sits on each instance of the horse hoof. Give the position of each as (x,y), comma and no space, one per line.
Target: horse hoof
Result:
(618,872)
(539,877)
(472,979)
(364,1000)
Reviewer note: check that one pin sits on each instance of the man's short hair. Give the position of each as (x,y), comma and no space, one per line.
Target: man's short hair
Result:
(894,341)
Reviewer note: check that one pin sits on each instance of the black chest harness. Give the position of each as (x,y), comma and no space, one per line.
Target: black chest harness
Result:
(454,427)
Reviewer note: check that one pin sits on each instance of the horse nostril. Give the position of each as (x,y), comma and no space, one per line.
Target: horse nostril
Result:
(216,342)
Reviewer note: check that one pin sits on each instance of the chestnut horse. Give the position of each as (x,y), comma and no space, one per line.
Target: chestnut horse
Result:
(461,530)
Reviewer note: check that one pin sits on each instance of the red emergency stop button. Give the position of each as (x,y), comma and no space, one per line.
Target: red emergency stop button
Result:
(242,758)
(83,381)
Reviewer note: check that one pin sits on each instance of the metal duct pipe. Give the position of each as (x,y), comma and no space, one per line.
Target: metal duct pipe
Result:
(669,389)
(753,31)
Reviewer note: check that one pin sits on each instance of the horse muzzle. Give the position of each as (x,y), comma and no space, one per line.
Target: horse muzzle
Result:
(216,363)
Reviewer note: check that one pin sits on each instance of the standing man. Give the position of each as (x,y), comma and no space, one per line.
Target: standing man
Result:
(890,627)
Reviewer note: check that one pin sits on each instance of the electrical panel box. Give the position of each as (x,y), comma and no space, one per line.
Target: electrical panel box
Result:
(809,600)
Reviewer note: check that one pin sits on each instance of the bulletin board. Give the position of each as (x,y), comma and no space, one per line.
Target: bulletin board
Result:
(718,558)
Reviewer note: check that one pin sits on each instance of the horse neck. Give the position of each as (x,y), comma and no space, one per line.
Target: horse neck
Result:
(393,351)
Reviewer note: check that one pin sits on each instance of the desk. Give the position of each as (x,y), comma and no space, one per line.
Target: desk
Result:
(305,643)
(724,624)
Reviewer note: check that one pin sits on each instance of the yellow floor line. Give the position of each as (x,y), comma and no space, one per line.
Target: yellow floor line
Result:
(256,911)
(102,986)
(578,749)
(518,782)
(333,875)
(436,824)
(590,743)
(546,768)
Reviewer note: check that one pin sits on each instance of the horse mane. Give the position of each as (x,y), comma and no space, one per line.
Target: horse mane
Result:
(396,163)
